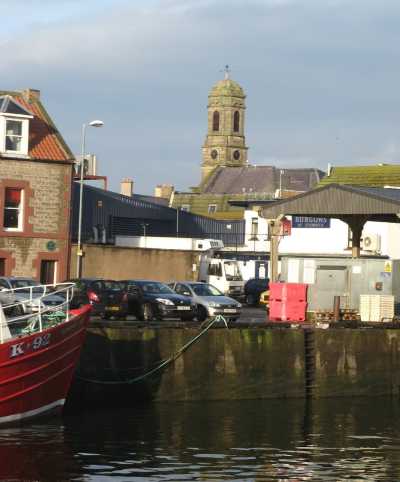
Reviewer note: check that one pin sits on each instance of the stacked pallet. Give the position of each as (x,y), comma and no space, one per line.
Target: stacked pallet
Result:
(329,315)
(377,307)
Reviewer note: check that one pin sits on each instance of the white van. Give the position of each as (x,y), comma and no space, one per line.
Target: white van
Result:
(224,274)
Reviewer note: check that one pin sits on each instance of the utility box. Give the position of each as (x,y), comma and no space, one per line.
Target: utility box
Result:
(343,276)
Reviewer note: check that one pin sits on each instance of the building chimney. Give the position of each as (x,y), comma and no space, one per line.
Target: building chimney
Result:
(127,187)
(164,191)
(31,94)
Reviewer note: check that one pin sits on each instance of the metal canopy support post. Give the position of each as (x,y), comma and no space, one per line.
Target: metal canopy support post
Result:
(274,234)
(356,224)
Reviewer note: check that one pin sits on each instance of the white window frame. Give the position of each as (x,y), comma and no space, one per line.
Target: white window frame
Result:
(254,229)
(23,152)
(20,209)
(212,208)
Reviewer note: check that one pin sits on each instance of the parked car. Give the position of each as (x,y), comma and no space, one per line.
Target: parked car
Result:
(107,297)
(253,289)
(208,299)
(29,288)
(264,299)
(152,300)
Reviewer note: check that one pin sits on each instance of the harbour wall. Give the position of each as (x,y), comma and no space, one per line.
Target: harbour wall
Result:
(237,363)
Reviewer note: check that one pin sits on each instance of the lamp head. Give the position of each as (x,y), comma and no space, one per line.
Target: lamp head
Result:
(96,123)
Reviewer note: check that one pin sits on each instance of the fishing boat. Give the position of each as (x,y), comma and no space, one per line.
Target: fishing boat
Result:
(40,343)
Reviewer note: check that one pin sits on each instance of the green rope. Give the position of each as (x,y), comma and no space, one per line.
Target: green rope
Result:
(161,365)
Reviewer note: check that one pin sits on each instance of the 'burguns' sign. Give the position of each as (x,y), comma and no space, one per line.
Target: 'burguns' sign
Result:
(310,222)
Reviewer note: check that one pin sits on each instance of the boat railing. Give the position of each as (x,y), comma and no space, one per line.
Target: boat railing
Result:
(30,309)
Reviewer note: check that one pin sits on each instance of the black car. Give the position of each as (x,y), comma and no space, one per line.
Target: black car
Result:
(152,300)
(107,297)
(253,289)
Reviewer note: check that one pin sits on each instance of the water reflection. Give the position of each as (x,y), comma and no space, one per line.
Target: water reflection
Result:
(247,441)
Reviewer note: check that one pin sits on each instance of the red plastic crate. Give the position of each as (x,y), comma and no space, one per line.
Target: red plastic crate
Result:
(287,311)
(285,291)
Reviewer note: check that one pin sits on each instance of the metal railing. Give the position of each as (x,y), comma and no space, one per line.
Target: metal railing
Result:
(30,309)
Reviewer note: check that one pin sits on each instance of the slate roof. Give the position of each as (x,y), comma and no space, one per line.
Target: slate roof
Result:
(338,200)
(45,141)
(260,179)
(372,175)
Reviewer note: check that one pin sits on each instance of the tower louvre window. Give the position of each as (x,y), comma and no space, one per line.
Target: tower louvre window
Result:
(216,121)
(236,121)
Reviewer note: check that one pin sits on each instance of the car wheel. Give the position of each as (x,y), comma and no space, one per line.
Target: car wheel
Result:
(201,313)
(148,312)
(251,299)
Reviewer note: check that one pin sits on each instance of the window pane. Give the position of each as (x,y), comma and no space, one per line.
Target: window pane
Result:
(12,208)
(10,218)
(13,143)
(13,197)
(14,128)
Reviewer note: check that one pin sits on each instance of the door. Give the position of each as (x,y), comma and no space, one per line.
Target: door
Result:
(48,271)
(2,267)
(330,281)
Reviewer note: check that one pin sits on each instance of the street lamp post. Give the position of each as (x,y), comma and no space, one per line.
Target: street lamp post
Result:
(79,253)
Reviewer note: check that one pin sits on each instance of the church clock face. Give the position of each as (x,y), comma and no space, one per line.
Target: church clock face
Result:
(214,154)
(236,155)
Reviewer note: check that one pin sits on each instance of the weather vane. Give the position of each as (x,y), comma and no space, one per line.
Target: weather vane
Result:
(226,71)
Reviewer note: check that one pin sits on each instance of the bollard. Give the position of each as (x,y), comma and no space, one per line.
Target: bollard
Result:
(336,308)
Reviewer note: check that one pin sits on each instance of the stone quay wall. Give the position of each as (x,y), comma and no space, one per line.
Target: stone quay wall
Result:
(239,363)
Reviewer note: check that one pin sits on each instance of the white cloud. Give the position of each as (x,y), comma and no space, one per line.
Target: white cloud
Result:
(311,70)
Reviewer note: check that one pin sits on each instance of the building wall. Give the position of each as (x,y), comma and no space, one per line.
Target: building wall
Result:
(333,240)
(47,191)
(136,263)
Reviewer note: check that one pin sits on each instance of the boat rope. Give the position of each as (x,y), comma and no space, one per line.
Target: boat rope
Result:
(163,363)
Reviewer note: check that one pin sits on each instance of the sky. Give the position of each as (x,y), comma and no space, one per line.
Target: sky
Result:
(322,79)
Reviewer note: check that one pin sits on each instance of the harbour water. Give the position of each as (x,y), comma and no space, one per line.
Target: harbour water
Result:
(329,440)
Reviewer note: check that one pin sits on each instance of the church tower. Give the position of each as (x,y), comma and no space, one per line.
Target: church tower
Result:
(225,142)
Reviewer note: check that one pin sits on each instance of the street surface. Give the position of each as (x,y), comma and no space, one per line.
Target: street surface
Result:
(250,314)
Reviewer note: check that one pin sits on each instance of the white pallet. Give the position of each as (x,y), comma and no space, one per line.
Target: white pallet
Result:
(376,307)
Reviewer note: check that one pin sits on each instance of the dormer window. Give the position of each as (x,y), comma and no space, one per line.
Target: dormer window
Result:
(13,135)
(14,128)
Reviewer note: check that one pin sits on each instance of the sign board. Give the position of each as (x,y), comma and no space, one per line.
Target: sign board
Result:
(310,222)
(286,227)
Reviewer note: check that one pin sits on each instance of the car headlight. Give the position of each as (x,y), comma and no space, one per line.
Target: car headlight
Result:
(164,301)
(214,305)
(239,305)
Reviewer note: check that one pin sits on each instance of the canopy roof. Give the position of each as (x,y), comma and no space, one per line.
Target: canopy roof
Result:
(341,202)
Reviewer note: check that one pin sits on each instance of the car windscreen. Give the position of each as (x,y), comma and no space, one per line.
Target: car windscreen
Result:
(25,283)
(232,271)
(112,285)
(155,287)
(205,290)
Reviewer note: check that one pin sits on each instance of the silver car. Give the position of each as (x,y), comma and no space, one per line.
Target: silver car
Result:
(27,289)
(208,299)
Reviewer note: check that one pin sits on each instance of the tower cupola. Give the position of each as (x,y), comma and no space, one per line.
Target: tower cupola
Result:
(225,141)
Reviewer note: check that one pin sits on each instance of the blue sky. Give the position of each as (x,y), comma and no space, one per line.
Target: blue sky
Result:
(321,78)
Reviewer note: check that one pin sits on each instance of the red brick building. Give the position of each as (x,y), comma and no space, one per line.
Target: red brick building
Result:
(35,190)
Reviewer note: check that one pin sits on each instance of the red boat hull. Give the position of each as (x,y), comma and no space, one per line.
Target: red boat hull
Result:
(36,370)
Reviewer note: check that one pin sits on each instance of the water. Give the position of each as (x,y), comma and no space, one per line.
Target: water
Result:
(333,440)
